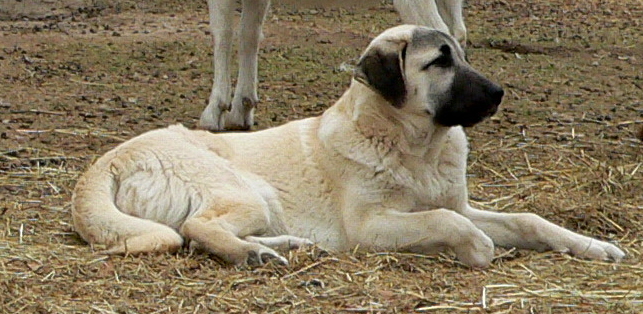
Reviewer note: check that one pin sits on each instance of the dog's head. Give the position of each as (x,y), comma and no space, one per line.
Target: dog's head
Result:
(424,71)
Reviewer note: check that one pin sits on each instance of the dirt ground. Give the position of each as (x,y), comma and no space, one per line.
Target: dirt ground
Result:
(77,80)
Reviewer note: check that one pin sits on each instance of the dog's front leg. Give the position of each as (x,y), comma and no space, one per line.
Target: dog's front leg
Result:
(424,232)
(530,231)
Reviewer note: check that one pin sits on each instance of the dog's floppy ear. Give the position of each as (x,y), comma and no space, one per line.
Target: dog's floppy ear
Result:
(383,72)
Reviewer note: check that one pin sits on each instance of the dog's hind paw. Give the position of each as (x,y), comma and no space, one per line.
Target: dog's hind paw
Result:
(282,241)
(261,257)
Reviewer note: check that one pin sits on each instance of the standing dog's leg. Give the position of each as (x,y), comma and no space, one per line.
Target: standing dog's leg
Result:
(245,98)
(221,23)
(451,13)
(421,12)
(530,231)
(443,15)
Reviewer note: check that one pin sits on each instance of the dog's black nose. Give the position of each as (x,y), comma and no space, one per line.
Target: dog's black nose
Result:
(496,95)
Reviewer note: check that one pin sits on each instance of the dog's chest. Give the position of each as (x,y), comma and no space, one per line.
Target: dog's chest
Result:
(429,186)
(440,191)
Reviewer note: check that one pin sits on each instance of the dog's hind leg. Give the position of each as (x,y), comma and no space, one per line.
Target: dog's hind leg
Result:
(287,241)
(222,228)
(240,116)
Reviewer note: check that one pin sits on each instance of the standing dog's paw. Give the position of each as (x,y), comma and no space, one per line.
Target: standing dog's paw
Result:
(240,115)
(212,117)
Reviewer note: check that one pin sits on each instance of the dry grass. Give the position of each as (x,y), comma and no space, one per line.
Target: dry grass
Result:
(564,146)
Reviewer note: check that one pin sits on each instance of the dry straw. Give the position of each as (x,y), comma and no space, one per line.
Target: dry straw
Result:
(45,267)
(564,146)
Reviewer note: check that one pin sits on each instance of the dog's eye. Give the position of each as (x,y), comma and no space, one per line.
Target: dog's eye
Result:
(442,61)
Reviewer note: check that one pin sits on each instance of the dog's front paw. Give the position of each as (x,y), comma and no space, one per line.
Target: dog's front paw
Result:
(595,249)
(475,250)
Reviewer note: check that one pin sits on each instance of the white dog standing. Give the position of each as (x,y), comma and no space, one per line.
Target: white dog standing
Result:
(382,169)
(226,112)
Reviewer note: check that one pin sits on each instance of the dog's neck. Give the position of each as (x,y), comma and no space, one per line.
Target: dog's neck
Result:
(378,121)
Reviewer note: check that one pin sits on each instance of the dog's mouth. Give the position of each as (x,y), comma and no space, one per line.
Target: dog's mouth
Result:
(481,117)
(490,112)
(486,114)
(468,116)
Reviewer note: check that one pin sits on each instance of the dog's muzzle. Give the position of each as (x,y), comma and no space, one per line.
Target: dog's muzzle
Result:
(473,98)
(495,95)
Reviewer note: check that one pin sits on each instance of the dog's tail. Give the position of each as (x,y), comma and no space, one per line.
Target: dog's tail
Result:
(98,220)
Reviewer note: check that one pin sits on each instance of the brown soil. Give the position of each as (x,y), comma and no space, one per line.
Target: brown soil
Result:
(77,79)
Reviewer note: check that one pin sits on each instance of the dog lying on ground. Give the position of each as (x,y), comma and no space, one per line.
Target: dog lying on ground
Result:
(382,169)
(236,113)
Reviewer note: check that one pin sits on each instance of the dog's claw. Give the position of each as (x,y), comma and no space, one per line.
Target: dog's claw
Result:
(253,259)
(260,258)
(267,257)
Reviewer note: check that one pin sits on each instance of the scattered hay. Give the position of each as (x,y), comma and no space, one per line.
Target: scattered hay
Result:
(564,146)
(45,267)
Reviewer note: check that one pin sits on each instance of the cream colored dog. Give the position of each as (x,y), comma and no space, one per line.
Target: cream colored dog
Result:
(382,169)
